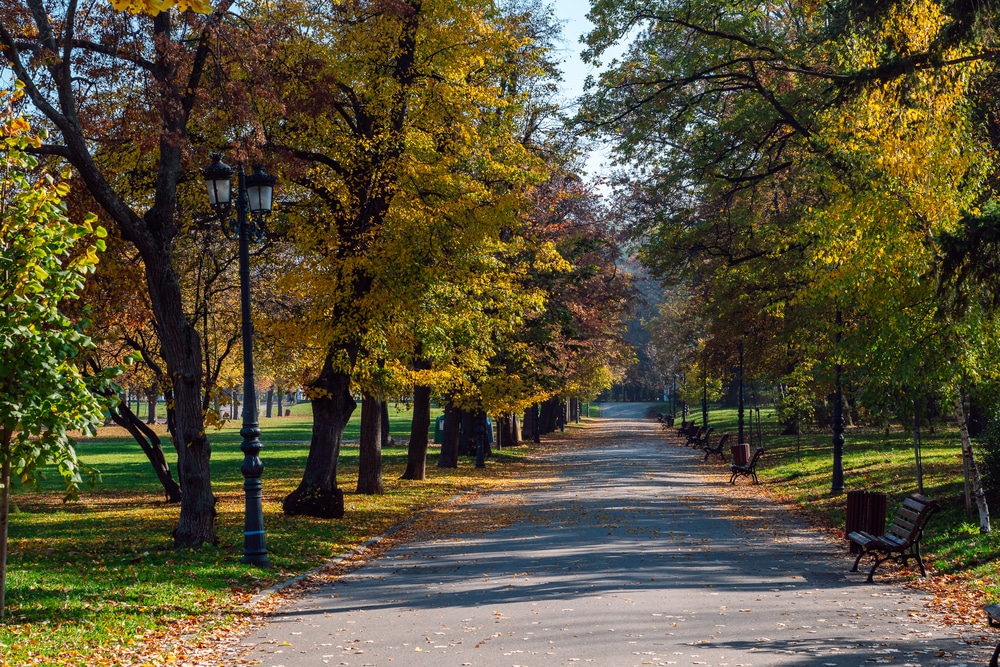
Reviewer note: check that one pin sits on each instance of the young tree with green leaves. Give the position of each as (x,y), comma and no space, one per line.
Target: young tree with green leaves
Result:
(43,394)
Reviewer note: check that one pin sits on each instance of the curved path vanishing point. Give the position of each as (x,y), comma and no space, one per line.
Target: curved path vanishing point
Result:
(630,557)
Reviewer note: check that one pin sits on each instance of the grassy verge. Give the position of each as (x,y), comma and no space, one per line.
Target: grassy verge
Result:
(800,470)
(89,581)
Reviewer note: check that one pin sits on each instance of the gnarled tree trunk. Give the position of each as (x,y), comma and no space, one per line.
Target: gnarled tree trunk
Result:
(151,446)
(317,494)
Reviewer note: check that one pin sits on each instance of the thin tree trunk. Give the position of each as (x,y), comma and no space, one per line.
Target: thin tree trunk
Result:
(4,515)
(281,395)
(967,456)
(370,451)
(151,446)
(317,494)
(416,452)
(270,402)
(449,442)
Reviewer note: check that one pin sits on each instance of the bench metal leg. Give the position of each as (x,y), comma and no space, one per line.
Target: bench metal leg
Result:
(920,561)
(858,560)
(878,561)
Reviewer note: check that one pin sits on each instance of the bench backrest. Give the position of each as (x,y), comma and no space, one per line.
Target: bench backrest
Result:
(756,455)
(723,439)
(911,517)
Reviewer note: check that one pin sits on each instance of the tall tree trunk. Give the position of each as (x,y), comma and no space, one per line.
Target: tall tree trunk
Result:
(385,436)
(317,494)
(5,436)
(449,443)
(151,446)
(506,435)
(152,398)
(970,461)
(269,406)
(529,425)
(467,431)
(416,452)
(182,352)
(281,394)
(548,420)
(370,453)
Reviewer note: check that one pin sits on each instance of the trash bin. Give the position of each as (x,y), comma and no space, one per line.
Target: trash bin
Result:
(740,453)
(865,511)
(439,430)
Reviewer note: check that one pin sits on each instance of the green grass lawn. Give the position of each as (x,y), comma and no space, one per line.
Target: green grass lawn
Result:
(87,576)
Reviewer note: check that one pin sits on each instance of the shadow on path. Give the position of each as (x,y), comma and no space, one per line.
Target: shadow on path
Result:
(632,557)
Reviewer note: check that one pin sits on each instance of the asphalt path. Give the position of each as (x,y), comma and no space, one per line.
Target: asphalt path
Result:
(635,555)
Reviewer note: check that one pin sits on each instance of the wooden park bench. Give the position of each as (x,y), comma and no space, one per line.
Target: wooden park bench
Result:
(693,433)
(701,439)
(749,468)
(902,538)
(717,449)
(666,421)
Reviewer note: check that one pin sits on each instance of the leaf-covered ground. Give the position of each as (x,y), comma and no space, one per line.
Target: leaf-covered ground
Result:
(97,582)
(964,572)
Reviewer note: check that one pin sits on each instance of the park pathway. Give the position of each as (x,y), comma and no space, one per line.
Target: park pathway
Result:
(632,556)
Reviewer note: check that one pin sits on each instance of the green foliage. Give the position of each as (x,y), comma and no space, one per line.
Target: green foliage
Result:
(798,405)
(43,394)
(785,171)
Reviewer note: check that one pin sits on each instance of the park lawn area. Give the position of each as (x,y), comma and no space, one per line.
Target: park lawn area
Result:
(91,580)
(877,459)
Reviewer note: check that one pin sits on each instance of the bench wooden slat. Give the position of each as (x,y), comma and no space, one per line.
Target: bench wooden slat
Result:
(902,538)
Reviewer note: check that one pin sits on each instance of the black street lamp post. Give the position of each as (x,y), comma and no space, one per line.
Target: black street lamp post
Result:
(253,204)
(739,400)
(837,485)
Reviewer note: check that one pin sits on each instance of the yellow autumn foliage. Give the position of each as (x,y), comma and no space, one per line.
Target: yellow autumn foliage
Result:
(154,7)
